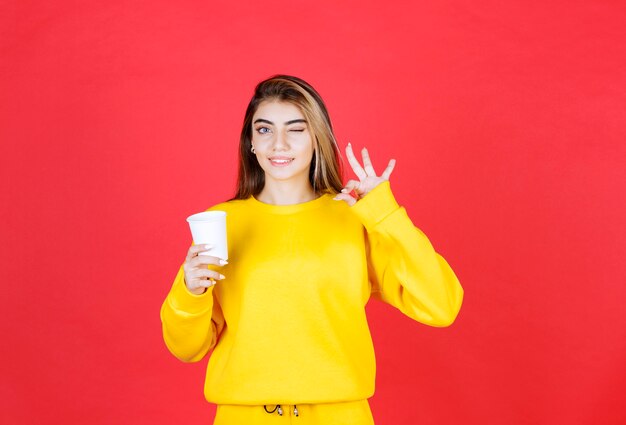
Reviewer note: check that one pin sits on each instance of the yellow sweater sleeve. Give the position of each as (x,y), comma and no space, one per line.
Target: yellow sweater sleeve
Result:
(404,269)
(191,323)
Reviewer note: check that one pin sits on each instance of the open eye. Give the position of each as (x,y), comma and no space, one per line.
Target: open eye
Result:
(263,130)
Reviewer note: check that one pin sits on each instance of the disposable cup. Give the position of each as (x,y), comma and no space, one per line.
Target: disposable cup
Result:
(209,227)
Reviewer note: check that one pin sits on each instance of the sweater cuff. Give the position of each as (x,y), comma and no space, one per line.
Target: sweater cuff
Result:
(183,300)
(376,205)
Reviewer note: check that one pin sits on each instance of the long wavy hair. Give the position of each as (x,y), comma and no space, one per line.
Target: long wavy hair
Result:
(325,173)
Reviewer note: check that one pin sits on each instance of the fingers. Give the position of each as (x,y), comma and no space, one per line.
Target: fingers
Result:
(205,260)
(205,275)
(198,279)
(367,163)
(195,249)
(198,276)
(354,163)
(345,197)
(199,286)
(192,272)
(350,186)
(387,173)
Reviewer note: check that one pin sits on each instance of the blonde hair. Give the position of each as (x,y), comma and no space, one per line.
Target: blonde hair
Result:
(325,173)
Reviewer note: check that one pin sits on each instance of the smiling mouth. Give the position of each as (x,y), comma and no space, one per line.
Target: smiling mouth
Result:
(278,162)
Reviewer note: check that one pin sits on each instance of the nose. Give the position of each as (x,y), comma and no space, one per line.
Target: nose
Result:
(280,141)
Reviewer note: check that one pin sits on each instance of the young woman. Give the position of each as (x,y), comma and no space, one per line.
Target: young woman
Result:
(285,317)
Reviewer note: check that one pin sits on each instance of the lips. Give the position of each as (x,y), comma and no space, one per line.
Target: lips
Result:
(280,161)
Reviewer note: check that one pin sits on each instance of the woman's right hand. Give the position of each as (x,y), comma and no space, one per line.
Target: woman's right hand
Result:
(198,276)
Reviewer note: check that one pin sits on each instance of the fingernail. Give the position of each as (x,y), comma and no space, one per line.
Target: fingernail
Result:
(223,262)
(344,190)
(349,144)
(208,246)
(222,277)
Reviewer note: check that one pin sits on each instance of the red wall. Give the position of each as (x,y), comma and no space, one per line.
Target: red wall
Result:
(119,119)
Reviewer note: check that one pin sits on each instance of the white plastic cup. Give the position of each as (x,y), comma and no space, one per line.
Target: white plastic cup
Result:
(209,227)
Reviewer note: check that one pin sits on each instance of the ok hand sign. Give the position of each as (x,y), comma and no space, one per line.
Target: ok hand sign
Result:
(368,179)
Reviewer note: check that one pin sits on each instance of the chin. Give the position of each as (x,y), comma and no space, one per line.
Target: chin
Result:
(286,174)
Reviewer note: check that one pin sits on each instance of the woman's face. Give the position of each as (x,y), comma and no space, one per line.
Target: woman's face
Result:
(282,140)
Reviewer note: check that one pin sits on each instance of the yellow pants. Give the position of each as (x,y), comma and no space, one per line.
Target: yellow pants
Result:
(348,413)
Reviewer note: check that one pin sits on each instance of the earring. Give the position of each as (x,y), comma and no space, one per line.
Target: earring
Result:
(253,150)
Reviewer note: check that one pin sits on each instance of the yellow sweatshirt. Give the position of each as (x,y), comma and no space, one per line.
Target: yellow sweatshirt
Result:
(288,324)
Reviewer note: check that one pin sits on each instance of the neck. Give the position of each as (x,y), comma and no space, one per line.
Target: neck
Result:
(286,192)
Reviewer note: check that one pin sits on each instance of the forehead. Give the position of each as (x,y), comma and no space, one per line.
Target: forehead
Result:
(277,111)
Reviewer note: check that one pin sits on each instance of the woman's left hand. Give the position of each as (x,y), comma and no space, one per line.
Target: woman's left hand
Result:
(368,179)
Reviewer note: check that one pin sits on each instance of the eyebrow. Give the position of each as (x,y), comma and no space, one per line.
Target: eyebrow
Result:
(287,123)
